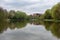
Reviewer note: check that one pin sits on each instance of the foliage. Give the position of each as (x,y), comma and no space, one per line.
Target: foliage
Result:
(55,11)
(3,14)
(46,15)
(11,14)
(54,27)
(20,14)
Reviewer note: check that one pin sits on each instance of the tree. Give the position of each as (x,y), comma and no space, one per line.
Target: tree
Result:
(11,14)
(47,14)
(20,15)
(55,11)
(3,14)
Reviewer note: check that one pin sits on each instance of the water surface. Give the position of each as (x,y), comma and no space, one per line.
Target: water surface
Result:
(30,31)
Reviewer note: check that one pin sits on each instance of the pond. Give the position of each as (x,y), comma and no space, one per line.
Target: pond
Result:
(30,31)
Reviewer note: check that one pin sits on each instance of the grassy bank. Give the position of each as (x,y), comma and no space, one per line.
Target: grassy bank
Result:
(52,20)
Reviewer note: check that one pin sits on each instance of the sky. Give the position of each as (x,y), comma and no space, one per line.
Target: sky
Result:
(28,6)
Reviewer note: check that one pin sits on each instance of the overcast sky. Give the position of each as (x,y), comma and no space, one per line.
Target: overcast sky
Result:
(28,6)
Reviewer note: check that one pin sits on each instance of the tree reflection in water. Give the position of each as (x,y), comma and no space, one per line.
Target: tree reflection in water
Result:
(49,26)
(53,27)
(12,25)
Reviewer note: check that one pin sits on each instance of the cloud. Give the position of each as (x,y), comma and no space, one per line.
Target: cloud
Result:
(29,6)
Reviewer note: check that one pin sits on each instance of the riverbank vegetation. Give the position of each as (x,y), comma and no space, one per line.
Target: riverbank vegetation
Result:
(52,14)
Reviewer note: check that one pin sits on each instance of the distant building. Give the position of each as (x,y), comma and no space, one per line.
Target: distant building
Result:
(37,14)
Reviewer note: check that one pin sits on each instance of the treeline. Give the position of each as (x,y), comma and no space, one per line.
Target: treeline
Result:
(53,13)
(17,16)
(3,14)
(12,15)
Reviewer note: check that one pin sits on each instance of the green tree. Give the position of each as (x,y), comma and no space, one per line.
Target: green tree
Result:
(11,14)
(20,14)
(46,15)
(55,11)
(3,14)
